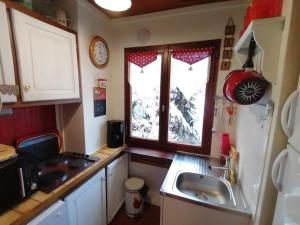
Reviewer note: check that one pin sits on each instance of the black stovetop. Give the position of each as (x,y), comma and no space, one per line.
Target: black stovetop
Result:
(56,171)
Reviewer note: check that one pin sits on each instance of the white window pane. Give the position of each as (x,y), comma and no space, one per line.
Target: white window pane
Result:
(145,100)
(187,101)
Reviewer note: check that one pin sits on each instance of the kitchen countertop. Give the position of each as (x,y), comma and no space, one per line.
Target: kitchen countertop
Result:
(38,202)
(184,162)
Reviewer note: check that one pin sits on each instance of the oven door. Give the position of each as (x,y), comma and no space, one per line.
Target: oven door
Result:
(11,184)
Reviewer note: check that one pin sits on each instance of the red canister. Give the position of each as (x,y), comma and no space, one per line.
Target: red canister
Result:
(225,144)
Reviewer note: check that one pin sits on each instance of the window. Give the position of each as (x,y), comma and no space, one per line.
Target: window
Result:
(169,96)
(145,100)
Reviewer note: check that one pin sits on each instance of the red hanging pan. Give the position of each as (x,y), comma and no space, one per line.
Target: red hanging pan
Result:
(245,86)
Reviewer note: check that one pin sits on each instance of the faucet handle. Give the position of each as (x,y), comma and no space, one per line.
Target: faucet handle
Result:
(225,156)
(227,160)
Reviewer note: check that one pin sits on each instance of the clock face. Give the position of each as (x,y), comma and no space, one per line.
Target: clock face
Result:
(99,52)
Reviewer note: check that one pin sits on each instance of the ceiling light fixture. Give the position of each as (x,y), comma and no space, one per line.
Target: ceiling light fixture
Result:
(114,5)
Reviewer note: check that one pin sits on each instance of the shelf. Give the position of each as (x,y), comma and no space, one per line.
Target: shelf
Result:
(152,157)
(267,25)
(267,34)
(150,153)
(17,6)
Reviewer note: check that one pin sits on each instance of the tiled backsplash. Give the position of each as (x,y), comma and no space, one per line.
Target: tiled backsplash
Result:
(26,121)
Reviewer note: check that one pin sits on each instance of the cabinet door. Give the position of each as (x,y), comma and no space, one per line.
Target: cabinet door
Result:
(117,173)
(178,212)
(47,59)
(54,215)
(87,204)
(7,73)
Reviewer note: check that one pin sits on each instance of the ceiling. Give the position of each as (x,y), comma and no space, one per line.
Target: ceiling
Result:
(148,6)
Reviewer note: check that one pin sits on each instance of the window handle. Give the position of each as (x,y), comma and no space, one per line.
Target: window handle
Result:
(163,107)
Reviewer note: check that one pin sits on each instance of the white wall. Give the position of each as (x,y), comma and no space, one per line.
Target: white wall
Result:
(259,142)
(196,23)
(90,131)
(153,177)
(251,141)
(175,26)
(90,24)
(288,75)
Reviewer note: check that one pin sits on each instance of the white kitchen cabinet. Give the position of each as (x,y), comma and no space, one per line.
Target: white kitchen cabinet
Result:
(54,215)
(47,60)
(117,173)
(87,204)
(7,73)
(178,212)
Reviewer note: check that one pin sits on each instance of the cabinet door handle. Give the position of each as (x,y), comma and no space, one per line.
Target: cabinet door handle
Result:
(27,88)
(277,169)
(20,171)
(287,114)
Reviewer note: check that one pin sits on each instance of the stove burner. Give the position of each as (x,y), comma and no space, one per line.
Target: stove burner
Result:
(56,161)
(79,163)
(58,170)
(53,177)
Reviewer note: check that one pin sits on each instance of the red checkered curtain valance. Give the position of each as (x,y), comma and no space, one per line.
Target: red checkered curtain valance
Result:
(142,59)
(192,55)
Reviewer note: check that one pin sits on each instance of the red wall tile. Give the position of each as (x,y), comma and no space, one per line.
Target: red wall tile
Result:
(26,121)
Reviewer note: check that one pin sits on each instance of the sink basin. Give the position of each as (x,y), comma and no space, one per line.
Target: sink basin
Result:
(205,188)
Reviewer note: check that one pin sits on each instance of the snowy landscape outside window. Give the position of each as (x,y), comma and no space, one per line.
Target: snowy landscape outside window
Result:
(169,96)
(187,101)
(145,99)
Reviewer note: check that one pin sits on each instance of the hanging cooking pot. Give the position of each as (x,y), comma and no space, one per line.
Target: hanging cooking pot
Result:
(245,86)
(226,92)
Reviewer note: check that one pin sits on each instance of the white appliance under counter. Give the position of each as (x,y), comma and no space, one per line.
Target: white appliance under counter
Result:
(55,215)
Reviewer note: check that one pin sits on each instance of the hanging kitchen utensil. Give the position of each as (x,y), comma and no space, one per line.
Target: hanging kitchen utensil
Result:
(230,111)
(245,86)
(226,92)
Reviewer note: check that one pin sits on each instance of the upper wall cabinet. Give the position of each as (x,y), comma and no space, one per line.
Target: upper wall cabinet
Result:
(7,73)
(47,59)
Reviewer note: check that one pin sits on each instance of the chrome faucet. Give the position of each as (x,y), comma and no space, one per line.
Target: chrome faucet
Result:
(226,168)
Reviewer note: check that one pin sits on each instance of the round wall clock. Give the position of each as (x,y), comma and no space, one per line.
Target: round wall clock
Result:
(99,53)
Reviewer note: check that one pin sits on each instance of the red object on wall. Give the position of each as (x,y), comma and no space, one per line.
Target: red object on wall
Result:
(26,121)
(262,9)
(99,93)
(225,145)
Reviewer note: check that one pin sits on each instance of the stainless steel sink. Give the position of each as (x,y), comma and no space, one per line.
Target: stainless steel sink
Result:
(205,188)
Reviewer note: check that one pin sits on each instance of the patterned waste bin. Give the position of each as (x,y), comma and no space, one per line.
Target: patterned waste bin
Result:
(134,201)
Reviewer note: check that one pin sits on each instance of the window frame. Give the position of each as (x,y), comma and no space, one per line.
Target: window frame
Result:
(162,143)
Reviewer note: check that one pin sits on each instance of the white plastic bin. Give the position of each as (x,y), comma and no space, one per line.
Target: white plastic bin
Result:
(134,201)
